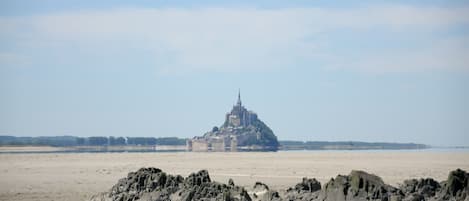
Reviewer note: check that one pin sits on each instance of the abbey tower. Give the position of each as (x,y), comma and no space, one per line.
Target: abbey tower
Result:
(239,115)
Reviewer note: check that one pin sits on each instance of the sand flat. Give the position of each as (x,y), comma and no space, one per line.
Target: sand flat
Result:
(77,176)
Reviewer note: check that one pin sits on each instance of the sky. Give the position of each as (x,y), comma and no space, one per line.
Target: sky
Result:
(374,71)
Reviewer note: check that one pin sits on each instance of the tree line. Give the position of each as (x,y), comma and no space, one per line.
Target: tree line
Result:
(90,141)
(357,145)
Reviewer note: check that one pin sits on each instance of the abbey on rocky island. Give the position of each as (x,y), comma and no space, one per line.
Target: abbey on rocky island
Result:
(242,130)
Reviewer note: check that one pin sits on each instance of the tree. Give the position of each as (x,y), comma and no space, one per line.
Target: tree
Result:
(81,141)
(120,141)
(98,141)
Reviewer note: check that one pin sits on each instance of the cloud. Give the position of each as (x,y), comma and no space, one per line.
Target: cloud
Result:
(245,39)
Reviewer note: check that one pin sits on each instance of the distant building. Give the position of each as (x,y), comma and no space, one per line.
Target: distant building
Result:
(242,130)
(239,115)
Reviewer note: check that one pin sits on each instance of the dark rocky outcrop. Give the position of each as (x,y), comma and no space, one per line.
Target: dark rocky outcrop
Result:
(152,184)
(455,188)
(145,180)
(306,190)
(420,189)
(358,185)
(197,179)
(261,192)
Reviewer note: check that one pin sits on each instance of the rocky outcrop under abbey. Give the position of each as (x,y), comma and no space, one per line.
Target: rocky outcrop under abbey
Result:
(152,184)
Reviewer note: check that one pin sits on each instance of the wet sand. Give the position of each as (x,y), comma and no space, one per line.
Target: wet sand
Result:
(77,176)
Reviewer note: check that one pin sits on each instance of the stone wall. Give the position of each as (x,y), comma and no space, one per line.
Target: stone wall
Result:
(214,144)
(218,145)
(234,145)
(200,145)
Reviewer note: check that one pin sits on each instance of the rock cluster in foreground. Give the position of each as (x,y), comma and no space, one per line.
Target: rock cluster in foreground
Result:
(152,184)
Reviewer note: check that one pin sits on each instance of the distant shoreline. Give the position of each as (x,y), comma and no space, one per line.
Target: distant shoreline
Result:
(88,149)
(25,149)
(73,144)
(55,144)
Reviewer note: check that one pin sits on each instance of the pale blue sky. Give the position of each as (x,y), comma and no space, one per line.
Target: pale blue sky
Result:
(313,70)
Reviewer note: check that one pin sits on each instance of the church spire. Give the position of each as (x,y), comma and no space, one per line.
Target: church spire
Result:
(239,97)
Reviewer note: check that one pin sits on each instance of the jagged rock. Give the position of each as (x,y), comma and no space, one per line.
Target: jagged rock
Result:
(414,197)
(152,184)
(214,191)
(358,185)
(259,186)
(308,185)
(198,186)
(143,181)
(456,188)
(336,189)
(458,183)
(196,179)
(421,189)
(104,196)
(307,190)
(231,182)
(261,192)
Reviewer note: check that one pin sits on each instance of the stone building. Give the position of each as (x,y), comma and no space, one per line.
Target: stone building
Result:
(239,115)
(242,130)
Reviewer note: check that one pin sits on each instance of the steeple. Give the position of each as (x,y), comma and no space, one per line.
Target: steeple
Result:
(239,97)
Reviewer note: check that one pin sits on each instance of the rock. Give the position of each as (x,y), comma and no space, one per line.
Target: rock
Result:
(336,189)
(307,190)
(456,188)
(143,181)
(197,179)
(101,197)
(358,185)
(149,184)
(152,184)
(414,197)
(214,191)
(198,186)
(421,189)
(308,185)
(261,192)
(457,183)
(259,186)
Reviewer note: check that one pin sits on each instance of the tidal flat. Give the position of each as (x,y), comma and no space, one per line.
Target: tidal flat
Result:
(78,176)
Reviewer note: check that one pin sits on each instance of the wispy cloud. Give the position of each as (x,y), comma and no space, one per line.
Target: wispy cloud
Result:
(246,39)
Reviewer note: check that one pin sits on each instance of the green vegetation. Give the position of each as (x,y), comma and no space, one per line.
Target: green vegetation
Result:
(116,141)
(352,145)
(39,141)
(266,138)
(62,141)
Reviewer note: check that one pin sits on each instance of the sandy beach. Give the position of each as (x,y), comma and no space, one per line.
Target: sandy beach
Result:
(77,176)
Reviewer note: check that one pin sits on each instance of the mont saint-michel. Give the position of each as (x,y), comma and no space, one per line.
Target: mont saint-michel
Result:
(241,130)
